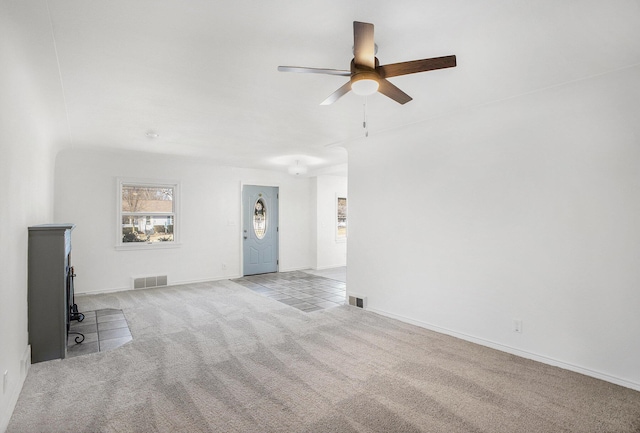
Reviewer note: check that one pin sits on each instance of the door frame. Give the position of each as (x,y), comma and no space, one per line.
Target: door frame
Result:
(241,220)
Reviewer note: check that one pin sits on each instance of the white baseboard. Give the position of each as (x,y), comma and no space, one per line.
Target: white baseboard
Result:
(14,392)
(512,350)
(322,268)
(179,283)
(171,284)
(304,268)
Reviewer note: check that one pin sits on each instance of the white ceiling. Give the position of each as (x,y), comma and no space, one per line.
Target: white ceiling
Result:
(202,74)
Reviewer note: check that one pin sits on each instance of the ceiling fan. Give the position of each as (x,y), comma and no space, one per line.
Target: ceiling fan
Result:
(367,76)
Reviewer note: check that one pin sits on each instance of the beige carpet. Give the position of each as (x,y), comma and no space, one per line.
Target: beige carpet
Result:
(216,357)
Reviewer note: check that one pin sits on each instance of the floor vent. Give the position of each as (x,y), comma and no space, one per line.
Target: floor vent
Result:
(148,282)
(357,302)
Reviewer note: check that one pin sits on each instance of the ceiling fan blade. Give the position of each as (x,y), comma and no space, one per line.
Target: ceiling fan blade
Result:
(363,45)
(388,89)
(337,94)
(314,70)
(404,68)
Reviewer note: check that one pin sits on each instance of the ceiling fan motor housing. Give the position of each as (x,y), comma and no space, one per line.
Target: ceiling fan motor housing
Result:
(358,69)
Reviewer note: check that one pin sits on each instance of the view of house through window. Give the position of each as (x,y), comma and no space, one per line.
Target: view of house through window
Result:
(148,213)
(342,218)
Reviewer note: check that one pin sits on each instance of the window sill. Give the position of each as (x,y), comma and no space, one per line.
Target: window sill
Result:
(135,246)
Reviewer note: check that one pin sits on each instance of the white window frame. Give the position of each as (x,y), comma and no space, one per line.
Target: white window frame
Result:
(176,213)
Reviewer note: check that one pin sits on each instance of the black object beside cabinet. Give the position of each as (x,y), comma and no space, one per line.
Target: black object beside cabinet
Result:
(50,293)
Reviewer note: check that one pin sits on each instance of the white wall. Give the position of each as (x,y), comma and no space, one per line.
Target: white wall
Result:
(31,122)
(329,251)
(523,209)
(210,225)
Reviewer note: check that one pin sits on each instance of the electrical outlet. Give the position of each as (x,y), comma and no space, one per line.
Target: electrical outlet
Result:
(517,326)
(224,266)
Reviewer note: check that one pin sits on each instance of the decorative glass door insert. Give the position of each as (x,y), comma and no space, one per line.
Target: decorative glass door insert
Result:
(260,218)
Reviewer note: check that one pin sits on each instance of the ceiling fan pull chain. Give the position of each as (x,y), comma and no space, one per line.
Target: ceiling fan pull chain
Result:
(364,122)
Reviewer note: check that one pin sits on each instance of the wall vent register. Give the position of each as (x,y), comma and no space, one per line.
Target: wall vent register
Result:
(356,301)
(149,282)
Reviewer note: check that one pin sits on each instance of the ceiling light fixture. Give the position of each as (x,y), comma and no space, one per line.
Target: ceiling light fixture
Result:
(152,134)
(365,83)
(297,169)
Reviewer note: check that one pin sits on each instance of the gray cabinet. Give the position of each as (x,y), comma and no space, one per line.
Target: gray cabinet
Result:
(48,295)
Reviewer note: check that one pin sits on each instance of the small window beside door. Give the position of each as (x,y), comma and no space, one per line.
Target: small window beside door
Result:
(341,218)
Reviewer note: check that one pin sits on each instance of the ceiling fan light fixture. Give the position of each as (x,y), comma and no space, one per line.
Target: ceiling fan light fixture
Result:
(365,83)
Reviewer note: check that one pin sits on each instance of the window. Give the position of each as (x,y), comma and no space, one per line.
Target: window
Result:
(147,214)
(341,220)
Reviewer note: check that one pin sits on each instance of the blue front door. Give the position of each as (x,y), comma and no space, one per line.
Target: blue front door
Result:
(260,229)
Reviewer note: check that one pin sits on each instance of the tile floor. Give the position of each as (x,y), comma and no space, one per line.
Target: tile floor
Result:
(103,330)
(339,273)
(299,289)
